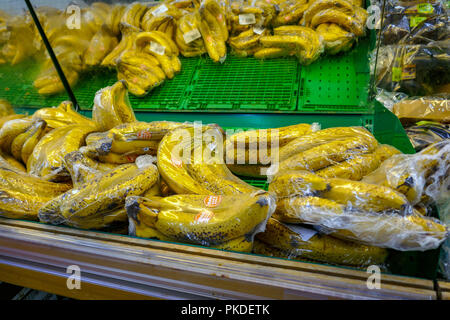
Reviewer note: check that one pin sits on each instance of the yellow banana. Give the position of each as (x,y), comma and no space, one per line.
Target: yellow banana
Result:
(301,183)
(335,38)
(270,53)
(350,23)
(62,115)
(319,5)
(32,140)
(202,219)
(133,14)
(319,247)
(11,129)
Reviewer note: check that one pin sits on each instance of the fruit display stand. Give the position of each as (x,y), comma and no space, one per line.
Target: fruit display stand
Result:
(241,93)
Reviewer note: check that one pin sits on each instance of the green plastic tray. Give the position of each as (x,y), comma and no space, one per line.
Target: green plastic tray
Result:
(334,84)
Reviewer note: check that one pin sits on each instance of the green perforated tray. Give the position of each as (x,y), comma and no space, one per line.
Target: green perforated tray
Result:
(333,84)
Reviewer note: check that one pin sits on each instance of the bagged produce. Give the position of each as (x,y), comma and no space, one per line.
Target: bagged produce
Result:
(358,211)
(209,220)
(98,202)
(47,159)
(426,133)
(112,107)
(187,35)
(416,109)
(294,241)
(61,116)
(190,160)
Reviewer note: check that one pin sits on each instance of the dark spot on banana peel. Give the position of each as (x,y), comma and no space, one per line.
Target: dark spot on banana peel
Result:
(409,182)
(263,201)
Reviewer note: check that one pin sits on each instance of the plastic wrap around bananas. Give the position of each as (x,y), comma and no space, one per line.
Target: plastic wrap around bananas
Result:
(293,241)
(246,15)
(47,158)
(343,13)
(222,221)
(112,107)
(303,42)
(101,44)
(335,38)
(99,202)
(249,151)
(324,148)
(354,210)
(191,160)
(421,177)
(61,116)
(214,29)
(21,195)
(187,35)
(134,138)
(152,58)
(290,12)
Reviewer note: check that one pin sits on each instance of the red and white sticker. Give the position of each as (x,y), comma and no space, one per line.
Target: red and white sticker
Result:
(144,135)
(212,201)
(177,162)
(204,216)
(131,158)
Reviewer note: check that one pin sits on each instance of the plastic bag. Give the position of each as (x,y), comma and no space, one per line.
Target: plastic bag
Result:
(188,36)
(426,133)
(61,116)
(21,195)
(191,160)
(422,177)
(416,109)
(99,202)
(47,159)
(414,23)
(293,241)
(245,15)
(367,213)
(112,107)
(416,70)
(208,220)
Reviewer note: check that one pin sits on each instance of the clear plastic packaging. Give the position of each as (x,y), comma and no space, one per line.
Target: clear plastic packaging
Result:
(426,133)
(99,202)
(61,116)
(208,220)
(47,158)
(416,70)
(359,211)
(414,109)
(293,241)
(191,160)
(112,107)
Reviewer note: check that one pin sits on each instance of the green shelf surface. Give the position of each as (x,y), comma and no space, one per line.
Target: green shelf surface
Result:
(333,84)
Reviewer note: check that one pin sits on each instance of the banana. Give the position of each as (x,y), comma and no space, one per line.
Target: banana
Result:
(365,196)
(291,15)
(202,219)
(138,81)
(18,205)
(10,163)
(153,131)
(319,247)
(32,140)
(133,14)
(271,53)
(10,130)
(216,11)
(197,171)
(301,183)
(355,168)
(320,137)
(212,36)
(5,108)
(5,119)
(62,115)
(299,209)
(320,5)
(349,23)
(47,158)
(112,107)
(126,43)
(99,46)
(328,153)
(335,38)
(101,195)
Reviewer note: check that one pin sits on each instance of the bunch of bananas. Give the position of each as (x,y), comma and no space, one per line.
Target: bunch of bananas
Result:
(124,143)
(249,152)
(99,202)
(228,221)
(355,210)
(296,242)
(187,35)
(192,166)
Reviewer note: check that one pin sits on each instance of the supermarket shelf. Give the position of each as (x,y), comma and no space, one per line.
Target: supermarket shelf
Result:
(123,267)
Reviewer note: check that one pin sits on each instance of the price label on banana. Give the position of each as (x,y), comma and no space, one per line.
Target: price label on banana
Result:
(212,201)
(204,216)
(192,35)
(157,48)
(246,19)
(304,233)
(160,10)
